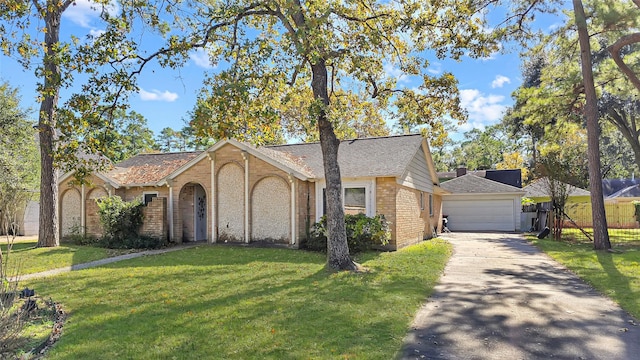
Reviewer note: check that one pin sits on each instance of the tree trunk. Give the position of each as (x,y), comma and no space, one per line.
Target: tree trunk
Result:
(48,234)
(600,231)
(337,246)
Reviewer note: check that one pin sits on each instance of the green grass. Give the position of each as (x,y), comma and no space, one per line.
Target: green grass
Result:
(29,259)
(617,275)
(618,237)
(243,303)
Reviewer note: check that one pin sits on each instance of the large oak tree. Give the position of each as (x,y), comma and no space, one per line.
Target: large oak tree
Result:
(269,47)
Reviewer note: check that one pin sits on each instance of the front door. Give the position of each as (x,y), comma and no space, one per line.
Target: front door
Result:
(200,211)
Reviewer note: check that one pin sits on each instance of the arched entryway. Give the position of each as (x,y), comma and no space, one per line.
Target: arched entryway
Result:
(193,211)
(70,213)
(230,196)
(271,211)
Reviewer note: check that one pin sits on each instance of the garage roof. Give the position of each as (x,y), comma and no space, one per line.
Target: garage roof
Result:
(472,184)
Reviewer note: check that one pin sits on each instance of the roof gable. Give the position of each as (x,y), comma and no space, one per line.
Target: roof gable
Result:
(472,184)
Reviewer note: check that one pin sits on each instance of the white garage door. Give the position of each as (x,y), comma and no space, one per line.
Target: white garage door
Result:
(479,215)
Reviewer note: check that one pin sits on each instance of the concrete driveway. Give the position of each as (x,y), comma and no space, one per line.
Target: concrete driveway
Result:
(501,298)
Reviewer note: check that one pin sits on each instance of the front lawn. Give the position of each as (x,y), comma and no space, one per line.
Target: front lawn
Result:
(30,259)
(617,275)
(243,303)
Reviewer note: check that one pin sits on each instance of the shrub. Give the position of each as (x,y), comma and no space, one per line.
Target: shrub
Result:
(76,236)
(121,223)
(636,205)
(363,233)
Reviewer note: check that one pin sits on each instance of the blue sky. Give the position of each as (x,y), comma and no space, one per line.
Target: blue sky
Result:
(166,96)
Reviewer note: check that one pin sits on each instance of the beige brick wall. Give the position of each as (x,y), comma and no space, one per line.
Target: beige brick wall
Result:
(155,223)
(305,207)
(386,204)
(436,218)
(409,217)
(93,228)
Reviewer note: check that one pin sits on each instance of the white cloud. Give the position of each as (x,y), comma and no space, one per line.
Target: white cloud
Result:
(483,109)
(96,33)
(395,72)
(499,81)
(81,12)
(201,58)
(157,95)
(435,68)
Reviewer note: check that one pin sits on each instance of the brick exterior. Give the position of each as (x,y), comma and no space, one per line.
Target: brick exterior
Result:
(93,228)
(200,174)
(155,223)
(399,204)
(386,204)
(409,217)
(305,208)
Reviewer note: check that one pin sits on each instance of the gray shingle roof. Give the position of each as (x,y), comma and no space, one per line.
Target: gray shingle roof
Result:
(379,156)
(630,191)
(540,188)
(472,184)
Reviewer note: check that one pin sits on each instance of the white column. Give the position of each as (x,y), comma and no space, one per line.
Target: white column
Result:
(214,233)
(292,182)
(170,203)
(83,210)
(245,156)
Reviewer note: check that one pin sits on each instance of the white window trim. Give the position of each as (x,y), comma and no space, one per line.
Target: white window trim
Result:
(369,184)
(144,193)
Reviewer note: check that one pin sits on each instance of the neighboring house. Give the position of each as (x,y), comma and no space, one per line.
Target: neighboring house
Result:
(538,191)
(511,177)
(478,204)
(235,192)
(578,206)
(621,190)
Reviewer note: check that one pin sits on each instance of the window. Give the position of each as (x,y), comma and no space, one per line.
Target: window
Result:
(430,204)
(358,197)
(421,200)
(148,196)
(355,200)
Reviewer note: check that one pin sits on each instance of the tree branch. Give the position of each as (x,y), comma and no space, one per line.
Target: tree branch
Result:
(615,50)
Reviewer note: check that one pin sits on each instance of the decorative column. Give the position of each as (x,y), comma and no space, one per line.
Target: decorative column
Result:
(83,209)
(214,233)
(170,215)
(292,186)
(245,156)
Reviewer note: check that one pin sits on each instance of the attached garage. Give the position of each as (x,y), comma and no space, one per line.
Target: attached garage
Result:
(479,204)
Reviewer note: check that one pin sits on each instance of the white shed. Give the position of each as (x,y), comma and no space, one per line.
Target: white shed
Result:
(478,204)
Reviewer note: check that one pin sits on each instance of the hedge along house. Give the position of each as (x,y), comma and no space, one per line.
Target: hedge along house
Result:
(235,192)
